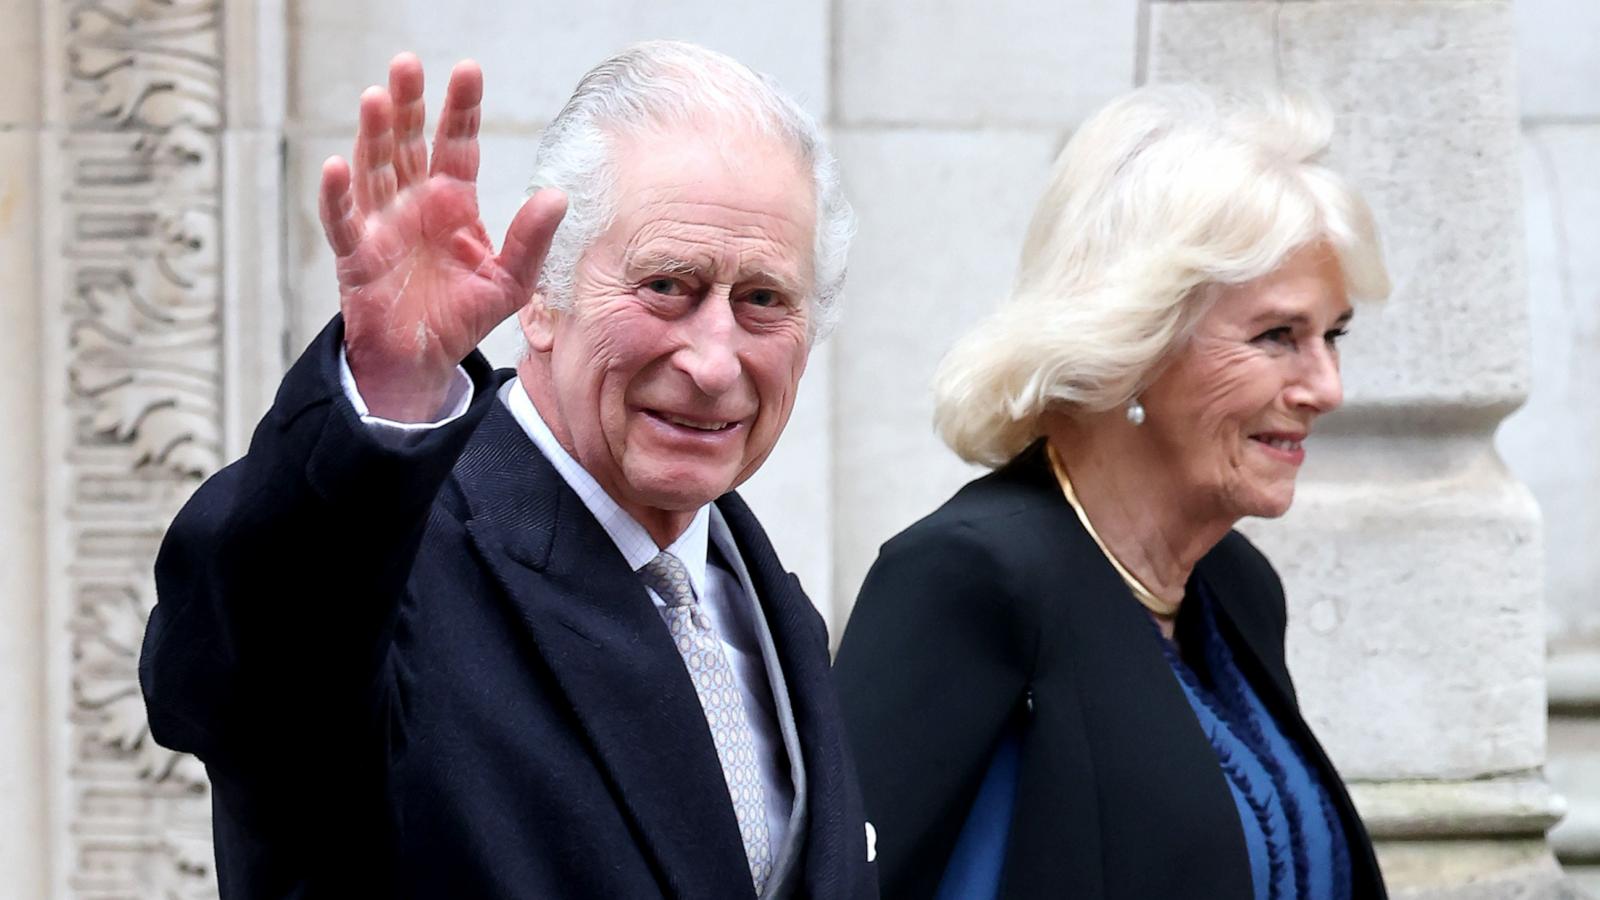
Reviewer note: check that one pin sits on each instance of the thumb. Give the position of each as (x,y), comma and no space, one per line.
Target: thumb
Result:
(528,238)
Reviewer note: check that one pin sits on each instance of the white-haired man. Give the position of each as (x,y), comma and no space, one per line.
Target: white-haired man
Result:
(447,632)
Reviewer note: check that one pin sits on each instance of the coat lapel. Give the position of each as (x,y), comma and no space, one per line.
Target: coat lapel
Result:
(598,634)
(835,837)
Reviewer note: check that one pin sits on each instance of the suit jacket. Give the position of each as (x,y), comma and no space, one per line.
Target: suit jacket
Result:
(999,613)
(427,671)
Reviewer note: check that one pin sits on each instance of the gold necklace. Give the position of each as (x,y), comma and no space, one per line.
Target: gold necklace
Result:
(1165,609)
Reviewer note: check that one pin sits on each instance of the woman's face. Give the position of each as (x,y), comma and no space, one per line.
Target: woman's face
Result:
(1230,413)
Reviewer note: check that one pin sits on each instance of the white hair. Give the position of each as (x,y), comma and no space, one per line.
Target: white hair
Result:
(658,83)
(1166,193)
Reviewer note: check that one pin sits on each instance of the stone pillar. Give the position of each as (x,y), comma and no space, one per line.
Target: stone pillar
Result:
(24,838)
(1550,443)
(1411,556)
(158,245)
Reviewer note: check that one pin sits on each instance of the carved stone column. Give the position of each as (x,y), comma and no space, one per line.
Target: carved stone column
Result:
(156,213)
(1411,556)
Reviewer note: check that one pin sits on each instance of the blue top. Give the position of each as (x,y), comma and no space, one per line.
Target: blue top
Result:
(1295,842)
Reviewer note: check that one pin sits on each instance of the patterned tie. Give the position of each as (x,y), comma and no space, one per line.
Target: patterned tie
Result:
(708,666)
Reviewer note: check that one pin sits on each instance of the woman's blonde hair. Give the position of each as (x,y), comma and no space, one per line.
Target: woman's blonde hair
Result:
(1164,194)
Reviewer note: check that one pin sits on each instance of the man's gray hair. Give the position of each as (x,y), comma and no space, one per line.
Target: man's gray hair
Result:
(665,83)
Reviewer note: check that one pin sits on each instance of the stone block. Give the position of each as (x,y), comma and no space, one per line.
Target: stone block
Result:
(20,63)
(1574,770)
(942,218)
(1558,55)
(24,652)
(1007,63)
(1225,43)
(792,493)
(533,53)
(1415,630)
(1550,442)
(1426,129)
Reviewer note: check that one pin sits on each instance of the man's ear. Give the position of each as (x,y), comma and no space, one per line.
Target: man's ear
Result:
(538,324)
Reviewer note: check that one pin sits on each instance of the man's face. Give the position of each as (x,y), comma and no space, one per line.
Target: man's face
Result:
(675,370)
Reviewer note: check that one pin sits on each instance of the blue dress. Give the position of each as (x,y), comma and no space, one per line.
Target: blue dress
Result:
(1295,842)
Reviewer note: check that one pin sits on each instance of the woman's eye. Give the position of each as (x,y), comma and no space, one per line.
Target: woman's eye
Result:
(1283,335)
(1333,337)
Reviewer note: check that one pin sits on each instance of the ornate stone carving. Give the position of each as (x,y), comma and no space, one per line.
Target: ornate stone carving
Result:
(140,243)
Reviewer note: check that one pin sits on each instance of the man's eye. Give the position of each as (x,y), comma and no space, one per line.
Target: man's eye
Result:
(763,298)
(669,287)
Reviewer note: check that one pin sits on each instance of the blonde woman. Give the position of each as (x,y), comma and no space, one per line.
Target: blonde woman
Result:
(1069,680)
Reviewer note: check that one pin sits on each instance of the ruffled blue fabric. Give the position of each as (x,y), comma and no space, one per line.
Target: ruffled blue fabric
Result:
(1295,842)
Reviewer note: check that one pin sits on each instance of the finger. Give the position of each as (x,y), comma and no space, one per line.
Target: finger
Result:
(455,143)
(410,149)
(468,250)
(336,208)
(528,237)
(373,175)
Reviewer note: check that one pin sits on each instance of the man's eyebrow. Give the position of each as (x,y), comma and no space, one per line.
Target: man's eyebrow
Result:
(666,263)
(786,283)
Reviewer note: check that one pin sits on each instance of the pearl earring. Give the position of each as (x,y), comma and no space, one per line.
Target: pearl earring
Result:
(1135,412)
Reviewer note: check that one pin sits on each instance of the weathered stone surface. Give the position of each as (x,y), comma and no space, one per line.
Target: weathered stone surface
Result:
(19,63)
(23,650)
(533,53)
(1518,804)
(942,217)
(1224,42)
(1558,51)
(1574,770)
(1011,62)
(792,493)
(1415,634)
(1550,443)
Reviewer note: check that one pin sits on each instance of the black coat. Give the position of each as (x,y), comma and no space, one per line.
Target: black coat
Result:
(999,610)
(428,672)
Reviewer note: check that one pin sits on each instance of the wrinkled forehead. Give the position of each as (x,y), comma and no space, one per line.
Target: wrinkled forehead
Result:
(686,194)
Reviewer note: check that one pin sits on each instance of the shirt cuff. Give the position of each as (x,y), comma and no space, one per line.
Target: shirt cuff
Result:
(456,402)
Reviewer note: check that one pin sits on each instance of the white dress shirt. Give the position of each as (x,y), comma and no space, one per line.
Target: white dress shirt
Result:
(731,611)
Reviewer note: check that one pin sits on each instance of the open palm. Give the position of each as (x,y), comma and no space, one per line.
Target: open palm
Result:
(419,281)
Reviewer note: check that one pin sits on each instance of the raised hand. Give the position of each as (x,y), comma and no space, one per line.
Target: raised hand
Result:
(419,281)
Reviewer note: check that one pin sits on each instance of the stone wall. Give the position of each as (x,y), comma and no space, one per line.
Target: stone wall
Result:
(159,241)
(1550,443)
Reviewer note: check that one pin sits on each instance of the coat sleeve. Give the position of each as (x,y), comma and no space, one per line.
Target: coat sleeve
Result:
(280,581)
(932,670)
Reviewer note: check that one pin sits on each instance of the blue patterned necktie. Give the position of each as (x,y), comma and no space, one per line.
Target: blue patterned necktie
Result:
(708,666)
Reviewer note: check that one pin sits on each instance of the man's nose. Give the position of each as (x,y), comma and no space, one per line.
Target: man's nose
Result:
(711,357)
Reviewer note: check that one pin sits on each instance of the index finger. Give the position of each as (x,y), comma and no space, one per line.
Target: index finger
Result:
(455,143)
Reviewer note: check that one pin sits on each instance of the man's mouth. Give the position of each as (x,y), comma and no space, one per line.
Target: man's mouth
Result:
(697,424)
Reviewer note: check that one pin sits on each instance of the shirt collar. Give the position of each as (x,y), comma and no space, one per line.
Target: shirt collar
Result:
(634,542)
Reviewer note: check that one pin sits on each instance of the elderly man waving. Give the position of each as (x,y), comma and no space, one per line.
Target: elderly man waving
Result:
(451,632)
